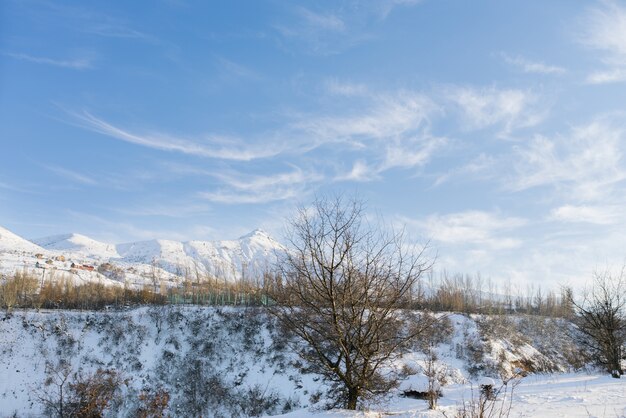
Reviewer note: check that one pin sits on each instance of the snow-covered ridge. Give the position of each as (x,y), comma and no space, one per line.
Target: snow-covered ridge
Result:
(12,242)
(78,244)
(247,256)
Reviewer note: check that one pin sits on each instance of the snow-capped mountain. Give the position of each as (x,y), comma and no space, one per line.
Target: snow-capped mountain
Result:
(11,242)
(251,254)
(247,256)
(78,245)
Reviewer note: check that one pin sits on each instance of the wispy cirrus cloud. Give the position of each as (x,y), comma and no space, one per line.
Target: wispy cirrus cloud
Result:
(604,30)
(385,7)
(483,166)
(392,132)
(593,214)
(249,188)
(176,210)
(332,31)
(82,63)
(210,147)
(116,231)
(230,68)
(112,29)
(384,116)
(347,89)
(72,175)
(535,67)
(385,131)
(472,227)
(324,21)
(586,164)
(86,20)
(321,33)
(510,109)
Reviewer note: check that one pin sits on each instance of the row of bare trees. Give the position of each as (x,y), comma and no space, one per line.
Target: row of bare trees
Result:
(472,294)
(24,290)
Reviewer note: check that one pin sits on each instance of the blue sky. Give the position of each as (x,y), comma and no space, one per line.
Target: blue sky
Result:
(493,129)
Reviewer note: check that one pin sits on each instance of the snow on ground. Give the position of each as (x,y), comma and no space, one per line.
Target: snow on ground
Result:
(543,396)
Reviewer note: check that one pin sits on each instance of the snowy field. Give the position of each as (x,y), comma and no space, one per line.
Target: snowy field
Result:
(558,395)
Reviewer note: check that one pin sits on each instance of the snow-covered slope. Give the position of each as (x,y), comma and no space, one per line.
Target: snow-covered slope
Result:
(10,242)
(235,362)
(78,245)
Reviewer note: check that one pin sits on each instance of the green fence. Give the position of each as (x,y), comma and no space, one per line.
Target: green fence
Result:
(224,298)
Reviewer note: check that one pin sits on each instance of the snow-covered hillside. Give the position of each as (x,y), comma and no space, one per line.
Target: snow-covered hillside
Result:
(10,242)
(233,362)
(137,263)
(78,245)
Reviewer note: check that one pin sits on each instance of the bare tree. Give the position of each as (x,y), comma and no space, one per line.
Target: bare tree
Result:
(342,287)
(601,317)
(73,395)
(55,401)
(436,374)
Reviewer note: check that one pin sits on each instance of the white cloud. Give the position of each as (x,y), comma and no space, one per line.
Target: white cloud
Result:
(176,210)
(483,166)
(212,147)
(113,29)
(410,152)
(608,76)
(605,31)
(72,175)
(116,231)
(600,215)
(387,116)
(248,188)
(336,87)
(510,108)
(74,64)
(476,228)
(528,66)
(387,6)
(360,171)
(393,131)
(231,68)
(334,29)
(327,21)
(587,163)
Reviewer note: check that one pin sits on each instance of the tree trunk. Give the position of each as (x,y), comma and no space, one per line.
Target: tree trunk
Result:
(616,360)
(616,367)
(353,397)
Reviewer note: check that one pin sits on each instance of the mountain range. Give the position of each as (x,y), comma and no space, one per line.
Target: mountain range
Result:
(247,256)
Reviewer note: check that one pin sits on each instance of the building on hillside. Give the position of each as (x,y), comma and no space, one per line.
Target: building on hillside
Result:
(82,267)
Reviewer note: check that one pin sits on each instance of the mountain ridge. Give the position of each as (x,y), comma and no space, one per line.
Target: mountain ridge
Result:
(249,255)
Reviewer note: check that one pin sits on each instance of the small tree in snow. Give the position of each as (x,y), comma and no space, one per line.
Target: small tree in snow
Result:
(601,317)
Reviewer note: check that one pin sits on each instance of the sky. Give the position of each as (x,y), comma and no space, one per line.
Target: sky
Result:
(493,130)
